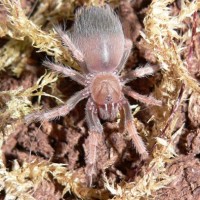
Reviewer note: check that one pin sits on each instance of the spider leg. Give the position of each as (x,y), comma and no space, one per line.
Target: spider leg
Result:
(92,118)
(127,50)
(76,54)
(144,99)
(122,121)
(137,140)
(68,72)
(140,72)
(58,111)
(95,129)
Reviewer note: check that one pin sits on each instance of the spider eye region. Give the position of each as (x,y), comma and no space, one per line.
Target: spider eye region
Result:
(106,89)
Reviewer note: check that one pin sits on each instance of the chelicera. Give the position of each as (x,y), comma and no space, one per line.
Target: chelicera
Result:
(97,43)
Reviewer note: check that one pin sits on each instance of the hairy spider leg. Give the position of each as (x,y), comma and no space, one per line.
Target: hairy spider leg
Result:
(67,71)
(76,54)
(127,50)
(142,98)
(140,72)
(58,111)
(137,140)
(95,129)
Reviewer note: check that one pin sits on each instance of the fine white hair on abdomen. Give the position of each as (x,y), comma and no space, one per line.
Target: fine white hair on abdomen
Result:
(105,52)
(96,21)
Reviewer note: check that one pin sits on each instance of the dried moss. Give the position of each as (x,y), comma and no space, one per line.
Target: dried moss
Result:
(161,33)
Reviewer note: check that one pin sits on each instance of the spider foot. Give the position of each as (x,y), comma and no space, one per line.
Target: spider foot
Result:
(91,156)
(145,156)
(90,174)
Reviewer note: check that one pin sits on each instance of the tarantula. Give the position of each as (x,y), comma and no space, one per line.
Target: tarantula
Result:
(97,43)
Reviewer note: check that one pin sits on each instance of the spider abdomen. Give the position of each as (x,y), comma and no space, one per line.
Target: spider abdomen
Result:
(98,34)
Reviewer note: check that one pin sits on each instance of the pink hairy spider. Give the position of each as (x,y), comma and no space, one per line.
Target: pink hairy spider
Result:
(97,42)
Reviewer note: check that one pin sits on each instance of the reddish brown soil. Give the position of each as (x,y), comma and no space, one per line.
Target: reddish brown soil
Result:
(65,140)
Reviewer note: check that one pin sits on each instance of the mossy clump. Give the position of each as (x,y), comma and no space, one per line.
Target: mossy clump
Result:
(27,37)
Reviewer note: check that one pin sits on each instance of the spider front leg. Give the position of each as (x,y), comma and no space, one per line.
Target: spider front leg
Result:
(95,129)
(58,111)
(137,140)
